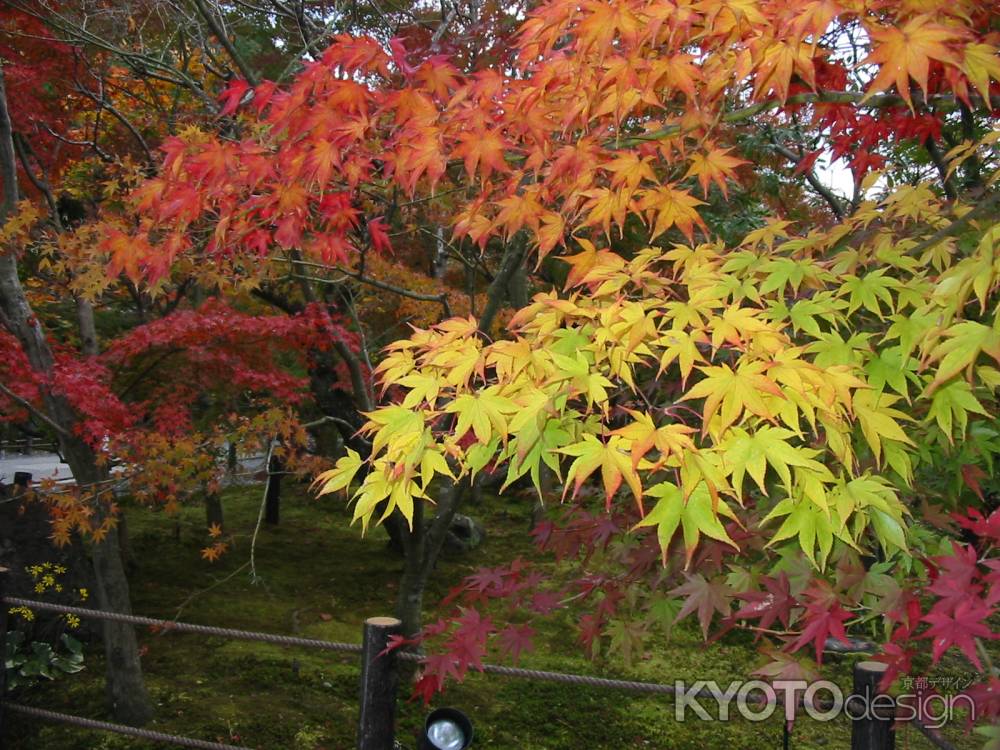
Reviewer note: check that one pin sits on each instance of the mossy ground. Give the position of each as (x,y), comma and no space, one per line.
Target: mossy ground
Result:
(319,578)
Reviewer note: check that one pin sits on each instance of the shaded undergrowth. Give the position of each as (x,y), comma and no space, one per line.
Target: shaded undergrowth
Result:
(318,578)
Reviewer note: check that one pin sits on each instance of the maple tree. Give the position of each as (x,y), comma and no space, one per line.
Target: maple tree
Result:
(792,392)
(162,399)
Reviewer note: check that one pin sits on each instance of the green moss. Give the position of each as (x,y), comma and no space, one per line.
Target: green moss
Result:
(318,578)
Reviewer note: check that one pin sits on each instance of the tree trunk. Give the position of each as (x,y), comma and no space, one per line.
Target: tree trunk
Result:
(126,690)
(423,544)
(272,497)
(422,547)
(88,330)
(125,545)
(214,514)
(410,602)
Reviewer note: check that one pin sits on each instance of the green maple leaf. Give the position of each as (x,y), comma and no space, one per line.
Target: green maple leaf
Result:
(627,637)
(887,367)
(341,475)
(791,272)
(910,329)
(805,313)
(750,453)
(729,392)
(832,349)
(951,405)
(537,439)
(811,525)
(871,499)
(878,419)
(869,290)
(695,516)
(963,345)
(398,426)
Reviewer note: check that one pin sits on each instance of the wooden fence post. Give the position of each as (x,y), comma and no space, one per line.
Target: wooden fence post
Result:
(873,727)
(22,482)
(379,680)
(3,647)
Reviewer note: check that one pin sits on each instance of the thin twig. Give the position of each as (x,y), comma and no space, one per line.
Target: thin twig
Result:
(260,518)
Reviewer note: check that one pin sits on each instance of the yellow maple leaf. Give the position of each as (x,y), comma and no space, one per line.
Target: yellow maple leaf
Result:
(667,207)
(734,391)
(980,63)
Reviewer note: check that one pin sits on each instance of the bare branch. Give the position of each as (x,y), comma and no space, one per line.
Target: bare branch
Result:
(824,192)
(441,299)
(220,34)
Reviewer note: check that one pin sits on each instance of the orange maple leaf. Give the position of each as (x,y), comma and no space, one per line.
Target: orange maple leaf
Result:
(716,166)
(214,552)
(484,150)
(667,207)
(906,53)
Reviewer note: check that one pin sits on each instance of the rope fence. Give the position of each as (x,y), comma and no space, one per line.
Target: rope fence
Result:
(104,726)
(369,653)
(184,627)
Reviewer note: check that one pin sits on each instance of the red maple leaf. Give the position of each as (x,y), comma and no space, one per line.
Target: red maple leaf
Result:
(775,603)
(591,628)
(987,527)
(986,697)
(232,95)
(544,602)
(379,234)
(959,628)
(823,617)
(705,597)
(953,576)
(515,639)
(896,657)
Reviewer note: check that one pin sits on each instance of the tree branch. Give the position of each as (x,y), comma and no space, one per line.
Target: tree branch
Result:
(34,410)
(820,97)
(938,160)
(24,151)
(103,103)
(513,257)
(441,299)
(220,34)
(984,208)
(824,192)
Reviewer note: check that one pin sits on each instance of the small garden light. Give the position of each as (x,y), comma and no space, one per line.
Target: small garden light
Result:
(447,729)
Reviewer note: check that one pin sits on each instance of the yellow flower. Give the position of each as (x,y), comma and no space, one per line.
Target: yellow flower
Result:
(25,613)
(84,594)
(39,588)
(73,621)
